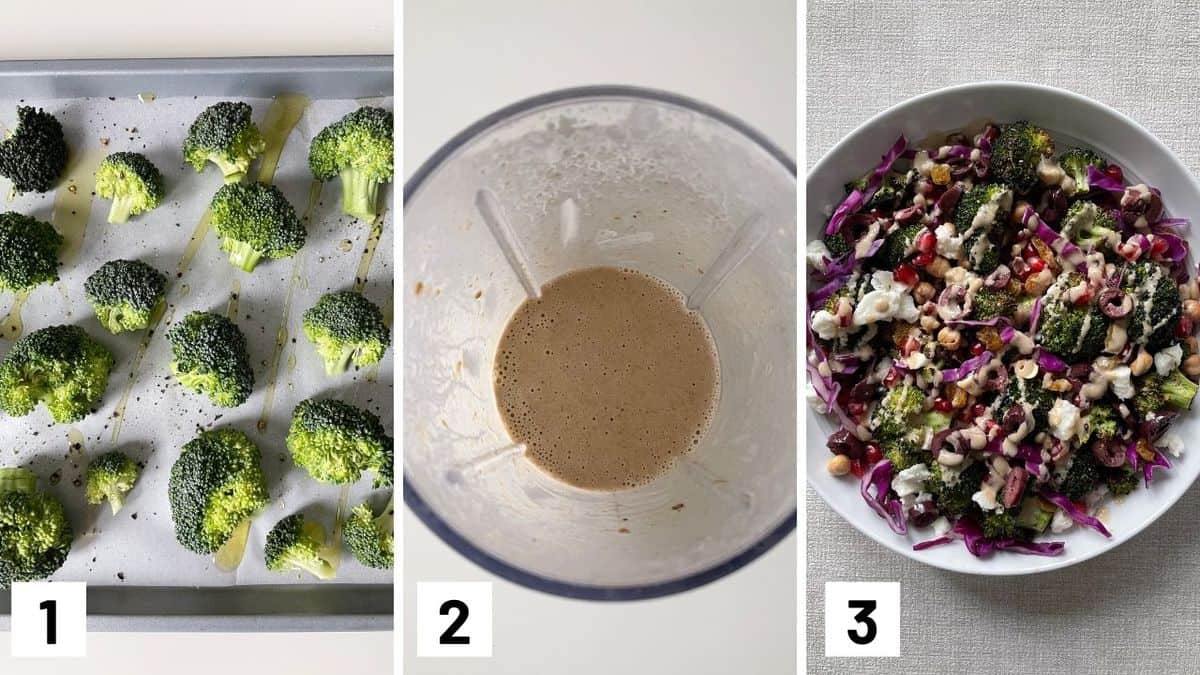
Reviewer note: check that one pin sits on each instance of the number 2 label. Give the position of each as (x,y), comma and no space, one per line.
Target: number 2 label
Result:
(454,619)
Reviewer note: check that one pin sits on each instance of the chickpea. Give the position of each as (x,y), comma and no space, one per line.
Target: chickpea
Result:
(930,323)
(838,465)
(1141,363)
(938,268)
(1191,366)
(1037,284)
(1192,309)
(1018,212)
(949,338)
(924,292)
(1059,385)
(958,397)
(1026,369)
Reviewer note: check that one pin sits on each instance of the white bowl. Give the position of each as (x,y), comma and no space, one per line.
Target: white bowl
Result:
(1071,119)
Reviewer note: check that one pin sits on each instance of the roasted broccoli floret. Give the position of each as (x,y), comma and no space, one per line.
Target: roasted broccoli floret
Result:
(210,358)
(1027,392)
(297,544)
(336,442)
(1071,331)
(111,476)
(890,418)
(1075,163)
(1121,481)
(28,252)
(1149,396)
(255,220)
(60,366)
(1100,422)
(1082,477)
(1157,305)
(35,535)
(132,183)
(216,483)
(899,246)
(903,452)
(370,538)
(1089,226)
(837,244)
(224,135)
(999,525)
(346,328)
(126,294)
(954,499)
(983,207)
(990,303)
(1016,153)
(34,155)
(1178,390)
(359,149)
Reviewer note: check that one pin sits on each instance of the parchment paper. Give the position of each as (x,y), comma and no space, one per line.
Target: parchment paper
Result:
(138,546)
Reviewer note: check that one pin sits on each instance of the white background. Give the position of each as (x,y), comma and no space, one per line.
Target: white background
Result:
(463,60)
(133,28)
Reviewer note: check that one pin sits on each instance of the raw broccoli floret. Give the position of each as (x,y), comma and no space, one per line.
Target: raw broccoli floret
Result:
(369,537)
(1157,305)
(126,294)
(297,544)
(35,535)
(132,183)
(336,442)
(28,252)
(999,525)
(890,418)
(1016,153)
(60,366)
(1083,476)
(359,149)
(224,135)
(954,500)
(1075,163)
(34,155)
(111,476)
(1100,422)
(1073,332)
(210,358)
(990,303)
(899,246)
(1089,226)
(216,483)
(255,220)
(346,328)
(1178,390)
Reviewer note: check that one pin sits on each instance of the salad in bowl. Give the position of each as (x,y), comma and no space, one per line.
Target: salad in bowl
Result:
(1000,327)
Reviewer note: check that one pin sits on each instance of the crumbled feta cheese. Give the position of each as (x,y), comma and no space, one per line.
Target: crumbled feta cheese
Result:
(1061,522)
(1064,420)
(922,163)
(986,498)
(888,301)
(1173,443)
(827,326)
(1167,360)
(916,360)
(911,480)
(817,254)
(814,400)
(1119,382)
(948,245)
(941,526)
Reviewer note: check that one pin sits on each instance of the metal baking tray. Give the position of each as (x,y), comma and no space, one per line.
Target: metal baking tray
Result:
(299,607)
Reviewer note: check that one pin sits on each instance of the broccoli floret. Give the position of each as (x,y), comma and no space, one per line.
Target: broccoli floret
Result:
(359,149)
(111,476)
(60,366)
(1027,392)
(28,252)
(1157,305)
(890,419)
(1016,153)
(1149,396)
(1089,226)
(1178,390)
(837,244)
(990,303)
(297,544)
(1100,422)
(132,183)
(999,525)
(1075,163)
(210,358)
(981,210)
(126,294)
(35,535)
(1121,481)
(936,420)
(346,328)
(336,442)
(216,483)
(954,500)
(903,452)
(1073,332)
(255,220)
(370,538)
(899,246)
(1083,476)
(34,155)
(224,135)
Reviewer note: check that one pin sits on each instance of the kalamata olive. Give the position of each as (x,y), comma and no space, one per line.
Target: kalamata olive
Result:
(999,277)
(862,391)
(923,513)
(1013,419)
(1155,424)
(1058,450)
(953,303)
(998,380)
(1014,486)
(1052,205)
(1115,303)
(842,442)
(1110,452)
(938,441)
(1080,370)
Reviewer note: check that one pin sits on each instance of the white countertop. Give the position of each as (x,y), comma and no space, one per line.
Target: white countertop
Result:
(465,60)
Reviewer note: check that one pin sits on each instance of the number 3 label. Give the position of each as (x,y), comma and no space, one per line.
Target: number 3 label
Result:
(49,620)
(454,619)
(862,618)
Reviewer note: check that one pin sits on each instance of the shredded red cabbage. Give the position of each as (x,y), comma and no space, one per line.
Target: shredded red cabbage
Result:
(967,368)
(1136,462)
(1073,512)
(1050,362)
(879,479)
(1099,179)
(1054,240)
(854,201)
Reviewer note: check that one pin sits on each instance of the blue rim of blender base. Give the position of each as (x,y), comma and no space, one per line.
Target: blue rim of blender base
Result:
(439,526)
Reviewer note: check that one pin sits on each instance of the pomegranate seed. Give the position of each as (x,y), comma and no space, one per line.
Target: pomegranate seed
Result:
(857,468)
(977,348)
(1030,253)
(924,259)
(1158,246)
(1184,328)
(1084,299)
(890,379)
(927,242)
(1115,172)
(978,410)
(1036,265)
(906,274)
(873,454)
(941,404)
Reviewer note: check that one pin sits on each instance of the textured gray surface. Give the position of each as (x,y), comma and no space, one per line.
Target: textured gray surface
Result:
(1133,609)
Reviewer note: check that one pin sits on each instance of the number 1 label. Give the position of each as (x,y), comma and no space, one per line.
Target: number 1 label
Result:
(49,620)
